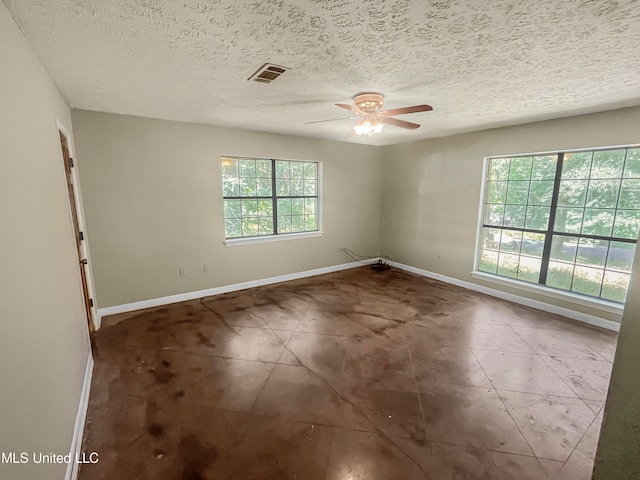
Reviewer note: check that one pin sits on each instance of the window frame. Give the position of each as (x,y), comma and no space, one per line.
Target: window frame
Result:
(539,287)
(275,237)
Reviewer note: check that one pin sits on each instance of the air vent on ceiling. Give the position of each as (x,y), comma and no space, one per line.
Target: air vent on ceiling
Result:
(267,73)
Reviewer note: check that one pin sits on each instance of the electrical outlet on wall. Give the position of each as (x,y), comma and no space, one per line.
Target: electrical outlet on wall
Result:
(182,270)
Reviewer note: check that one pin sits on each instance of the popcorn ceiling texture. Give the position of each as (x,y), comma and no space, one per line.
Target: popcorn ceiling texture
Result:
(480,63)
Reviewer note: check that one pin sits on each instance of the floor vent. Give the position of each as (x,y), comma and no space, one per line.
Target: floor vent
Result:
(267,73)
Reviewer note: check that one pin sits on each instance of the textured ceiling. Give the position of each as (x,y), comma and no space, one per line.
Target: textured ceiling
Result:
(480,63)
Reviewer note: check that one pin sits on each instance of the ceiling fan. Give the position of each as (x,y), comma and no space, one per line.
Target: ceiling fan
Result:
(372,120)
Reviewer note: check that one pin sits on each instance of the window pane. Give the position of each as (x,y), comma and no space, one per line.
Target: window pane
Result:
(310,187)
(265,208)
(248,187)
(247,167)
(230,187)
(627,224)
(249,226)
(499,169)
(592,252)
(229,167)
(297,206)
(310,223)
(607,164)
(544,167)
(559,275)
(263,168)
(491,238)
(310,206)
(496,192)
(576,165)
(232,228)
(529,269)
(520,168)
(632,164)
(510,241)
(296,170)
(488,261)
(310,170)
(232,208)
(572,193)
(630,194)
(284,206)
(514,216)
(265,226)
(568,220)
(282,187)
(597,222)
(517,193)
(615,286)
(508,265)
(297,223)
(284,224)
(250,208)
(564,248)
(603,193)
(537,218)
(297,187)
(620,256)
(494,214)
(282,169)
(264,187)
(532,244)
(540,192)
(587,281)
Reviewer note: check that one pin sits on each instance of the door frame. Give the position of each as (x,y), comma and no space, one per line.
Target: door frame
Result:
(84,250)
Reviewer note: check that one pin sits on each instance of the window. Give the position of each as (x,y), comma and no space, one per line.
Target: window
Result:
(568,221)
(264,197)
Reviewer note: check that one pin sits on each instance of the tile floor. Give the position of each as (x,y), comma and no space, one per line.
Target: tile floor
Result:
(356,375)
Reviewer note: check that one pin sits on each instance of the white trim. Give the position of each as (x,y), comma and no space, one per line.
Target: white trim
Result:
(594,303)
(231,242)
(564,150)
(546,307)
(78,431)
(81,223)
(181,297)
(483,193)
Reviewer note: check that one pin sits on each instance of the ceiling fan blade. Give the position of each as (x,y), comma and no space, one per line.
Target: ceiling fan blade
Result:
(350,107)
(405,110)
(399,123)
(330,120)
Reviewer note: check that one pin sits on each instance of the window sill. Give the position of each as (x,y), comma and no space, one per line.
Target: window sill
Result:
(594,303)
(232,242)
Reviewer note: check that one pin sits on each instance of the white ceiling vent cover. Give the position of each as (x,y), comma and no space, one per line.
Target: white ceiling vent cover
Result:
(268,73)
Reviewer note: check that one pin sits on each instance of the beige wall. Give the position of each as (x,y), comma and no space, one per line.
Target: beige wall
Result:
(152,195)
(431,188)
(619,446)
(43,335)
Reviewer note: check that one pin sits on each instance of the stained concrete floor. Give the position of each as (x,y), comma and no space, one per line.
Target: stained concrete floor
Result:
(355,375)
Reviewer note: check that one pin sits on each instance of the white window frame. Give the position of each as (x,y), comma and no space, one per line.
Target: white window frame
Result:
(591,302)
(231,242)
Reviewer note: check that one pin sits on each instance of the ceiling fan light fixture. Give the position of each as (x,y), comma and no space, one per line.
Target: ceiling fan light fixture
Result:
(368,127)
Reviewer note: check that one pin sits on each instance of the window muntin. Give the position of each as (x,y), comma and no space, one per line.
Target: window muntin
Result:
(265,197)
(569,220)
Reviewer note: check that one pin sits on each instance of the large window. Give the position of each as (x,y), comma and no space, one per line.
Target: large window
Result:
(568,220)
(265,197)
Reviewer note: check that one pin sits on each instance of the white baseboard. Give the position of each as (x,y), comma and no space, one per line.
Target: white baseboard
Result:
(156,302)
(546,307)
(76,442)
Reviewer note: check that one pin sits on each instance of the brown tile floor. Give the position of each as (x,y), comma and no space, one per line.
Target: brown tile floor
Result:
(355,375)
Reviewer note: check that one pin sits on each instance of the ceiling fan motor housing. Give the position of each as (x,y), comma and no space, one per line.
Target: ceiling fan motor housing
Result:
(369,102)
